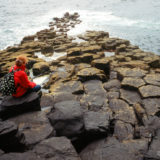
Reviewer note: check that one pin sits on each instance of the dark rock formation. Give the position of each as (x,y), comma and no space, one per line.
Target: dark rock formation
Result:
(108,106)
(11,106)
(10,137)
(67,118)
(35,127)
(56,148)
(20,156)
(112,149)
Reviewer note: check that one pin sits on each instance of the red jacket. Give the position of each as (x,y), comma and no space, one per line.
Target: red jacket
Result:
(22,83)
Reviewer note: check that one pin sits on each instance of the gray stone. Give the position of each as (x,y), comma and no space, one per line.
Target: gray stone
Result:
(151,105)
(112,149)
(122,111)
(103,64)
(20,156)
(132,82)
(153,79)
(96,122)
(154,151)
(47,100)
(67,118)
(94,102)
(63,96)
(35,127)
(1,152)
(56,148)
(123,131)
(91,74)
(11,106)
(112,84)
(149,91)
(94,87)
(74,87)
(10,137)
(128,72)
(131,97)
(113,95)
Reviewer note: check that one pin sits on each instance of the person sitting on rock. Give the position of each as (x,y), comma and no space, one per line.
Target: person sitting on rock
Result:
(22,84)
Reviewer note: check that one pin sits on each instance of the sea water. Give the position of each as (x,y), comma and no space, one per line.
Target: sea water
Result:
(135,20)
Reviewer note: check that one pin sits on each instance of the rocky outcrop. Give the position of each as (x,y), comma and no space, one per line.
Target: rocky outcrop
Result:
(67,118)
(112,149)
(56,148)
(34,126)
(11,106)
(10,137)
(108,106)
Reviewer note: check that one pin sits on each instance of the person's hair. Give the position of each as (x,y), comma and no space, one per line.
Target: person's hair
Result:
(21,60)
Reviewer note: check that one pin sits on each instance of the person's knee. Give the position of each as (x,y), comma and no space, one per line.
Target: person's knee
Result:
(38,87)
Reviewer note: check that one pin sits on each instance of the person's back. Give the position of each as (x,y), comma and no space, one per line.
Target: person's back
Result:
(22,83)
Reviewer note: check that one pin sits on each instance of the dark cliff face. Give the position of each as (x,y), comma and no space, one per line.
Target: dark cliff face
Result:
(98,107)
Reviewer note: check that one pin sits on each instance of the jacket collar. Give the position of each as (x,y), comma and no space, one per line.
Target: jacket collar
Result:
(23,67)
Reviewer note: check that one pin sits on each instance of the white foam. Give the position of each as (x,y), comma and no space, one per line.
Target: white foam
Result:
(109,54)
(41,80)
(55,56)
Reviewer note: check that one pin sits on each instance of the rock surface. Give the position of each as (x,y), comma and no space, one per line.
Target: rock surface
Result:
(89,96)
(10,137)
(56,148)
(67,118)
(11,106)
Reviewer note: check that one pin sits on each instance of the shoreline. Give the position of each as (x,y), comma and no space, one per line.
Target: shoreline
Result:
(103,99)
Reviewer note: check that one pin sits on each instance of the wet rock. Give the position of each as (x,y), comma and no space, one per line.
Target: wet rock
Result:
(127,72)
(129,82)
(56,148)
(96,123)
(19,156)
(123,131)
(122,111)
(63,96)
(121,48)
(12,106)
(153,79)
(112,85)
(74,52)
(67,118)
(91,73)
(154,62)
(131,97)
(112,75)
(47,49)
(94,35)
(112,149)
(74,87)
(134,64)
(47,100)
(140,112)
(154,152)
(41,67)
(85,58)
(113,95)
(103,64)
(28,38)
(149,91)
(94,87)
(1,152)
(112,43)
(151,105)
(91,49)
(10,137)
(35,127)
(94,102)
